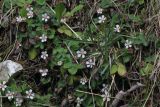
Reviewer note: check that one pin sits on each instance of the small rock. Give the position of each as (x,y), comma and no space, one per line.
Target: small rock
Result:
(8,68)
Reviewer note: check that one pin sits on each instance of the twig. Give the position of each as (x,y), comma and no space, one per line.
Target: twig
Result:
(121,94)
(93,73)
(71,53)
(110,87)
(89,93)
(72,30)
(51,8)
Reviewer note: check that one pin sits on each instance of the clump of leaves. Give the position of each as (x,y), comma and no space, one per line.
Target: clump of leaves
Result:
(75,64)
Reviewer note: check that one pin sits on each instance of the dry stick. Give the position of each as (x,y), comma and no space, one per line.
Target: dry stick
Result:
(77,36)
(113,77)
(91,89)
(14,45)
(93,73)
(74,57)
(71,53)
(121,94)
(89,93)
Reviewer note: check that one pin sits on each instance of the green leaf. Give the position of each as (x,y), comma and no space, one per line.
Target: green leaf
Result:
(78,66)
(70,80)
(146,70)
(150,58)
(127,58)
(140,2)
(40,2)
(29,1)
(51,34)
(140,39)
(121,69)
(74,45)
(14,87)
(143,39)
(65,30)
(114,69)
(59,9)
(68,32)
(99,101)
(72,71)
(106,3)
(43,99)
(32,53)
(22,12)
(61,83)
(134,18)
(45,80)
(76,9)
(20,3)
(67,65)
(72,68)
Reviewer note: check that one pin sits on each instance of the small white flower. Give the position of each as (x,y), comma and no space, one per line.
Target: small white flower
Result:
(3,85)
(63,20)
(101,19)
(44,55)
(18,102)
(128,44)
(29,9)
(30,94)
(81,53)
(106,96)
(43,72)
(105,88)
(99,10)
(83,81)
(45,17)
(43,38)
(59,63)
(30,14)
(117,28)
(90,63)
(20,19)
(79,102)
(10,95)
